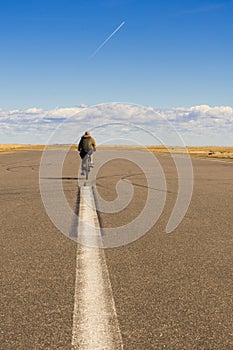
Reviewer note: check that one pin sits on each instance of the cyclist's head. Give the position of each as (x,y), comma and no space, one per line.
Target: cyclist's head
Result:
(87,133)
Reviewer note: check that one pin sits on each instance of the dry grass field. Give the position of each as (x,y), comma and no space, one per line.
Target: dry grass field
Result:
(206,152)
(10,148)
(212,152)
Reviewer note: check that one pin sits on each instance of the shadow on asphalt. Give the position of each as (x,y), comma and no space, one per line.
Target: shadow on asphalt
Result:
(62,178)
(74,226)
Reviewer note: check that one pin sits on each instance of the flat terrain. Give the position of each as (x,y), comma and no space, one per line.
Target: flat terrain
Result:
(171,291)
(214,152)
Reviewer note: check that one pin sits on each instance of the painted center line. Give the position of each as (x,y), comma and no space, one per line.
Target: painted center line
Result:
(95,324)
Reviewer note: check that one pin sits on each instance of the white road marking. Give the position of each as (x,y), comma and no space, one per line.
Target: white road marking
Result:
(95,324)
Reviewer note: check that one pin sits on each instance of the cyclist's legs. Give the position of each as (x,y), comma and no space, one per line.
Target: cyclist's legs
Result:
(83,163)
(91,155)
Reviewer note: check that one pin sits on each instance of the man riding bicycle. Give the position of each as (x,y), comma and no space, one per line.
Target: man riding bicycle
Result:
(87,145)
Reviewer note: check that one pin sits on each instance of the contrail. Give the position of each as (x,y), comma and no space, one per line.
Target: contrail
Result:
(105,41)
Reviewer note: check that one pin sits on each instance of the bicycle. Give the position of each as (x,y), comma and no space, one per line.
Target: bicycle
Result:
(86,165)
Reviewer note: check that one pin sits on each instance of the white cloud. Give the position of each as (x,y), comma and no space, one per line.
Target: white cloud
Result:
(34,110)
(196,124)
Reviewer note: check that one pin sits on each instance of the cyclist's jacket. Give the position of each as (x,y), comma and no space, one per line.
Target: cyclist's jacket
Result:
(86,143)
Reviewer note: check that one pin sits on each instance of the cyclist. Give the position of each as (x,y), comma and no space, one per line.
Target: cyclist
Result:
(87,145)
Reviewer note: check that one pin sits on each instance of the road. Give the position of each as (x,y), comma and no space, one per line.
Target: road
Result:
(171,291)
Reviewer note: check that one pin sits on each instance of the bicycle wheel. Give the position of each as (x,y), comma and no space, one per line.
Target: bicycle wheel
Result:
(87,166)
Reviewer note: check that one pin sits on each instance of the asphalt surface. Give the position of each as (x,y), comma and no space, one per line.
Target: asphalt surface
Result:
(171,291)
(37,261)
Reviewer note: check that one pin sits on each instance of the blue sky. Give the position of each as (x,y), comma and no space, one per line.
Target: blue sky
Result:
(168,54)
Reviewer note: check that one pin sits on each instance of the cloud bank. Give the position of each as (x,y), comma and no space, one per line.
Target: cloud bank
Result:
(197,125)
